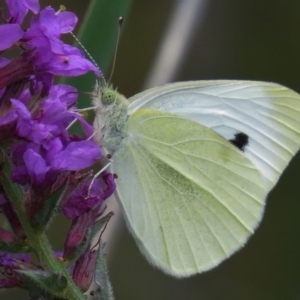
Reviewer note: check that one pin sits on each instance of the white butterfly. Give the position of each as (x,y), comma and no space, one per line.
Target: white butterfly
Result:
(191,191)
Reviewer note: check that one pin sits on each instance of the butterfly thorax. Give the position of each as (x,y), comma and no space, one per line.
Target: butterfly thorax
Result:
(110,117)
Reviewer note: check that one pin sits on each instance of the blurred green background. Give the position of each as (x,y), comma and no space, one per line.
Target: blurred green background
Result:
(249,39)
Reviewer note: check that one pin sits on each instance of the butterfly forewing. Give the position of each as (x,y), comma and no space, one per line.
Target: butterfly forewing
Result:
(189,196)
(269,114)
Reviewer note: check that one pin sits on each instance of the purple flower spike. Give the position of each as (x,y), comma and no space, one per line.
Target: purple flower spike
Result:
(43,53)
(47,174)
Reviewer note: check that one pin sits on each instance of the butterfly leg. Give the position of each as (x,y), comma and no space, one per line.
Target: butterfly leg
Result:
(86,109)
(96,175)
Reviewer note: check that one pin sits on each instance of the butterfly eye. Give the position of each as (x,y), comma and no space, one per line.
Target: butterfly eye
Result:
(108,96)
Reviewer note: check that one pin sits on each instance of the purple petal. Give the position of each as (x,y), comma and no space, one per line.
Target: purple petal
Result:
(36,166)
(37,40)
(52,122)
(76,206)
(53,147)
(48,21)
(16,10)
(65,93)
(110,185)
(49,53)
(32,5)
(77,156)
(43,36)
(67,21)
(53,111)
(19,8)
(24,257)
(6,260)
(9,34)
(25,96)
(11,260)
(21,109)
(58,254)
(71,65)
(53,25)
(19,175)
(34,131)
(87,128)
(82,201)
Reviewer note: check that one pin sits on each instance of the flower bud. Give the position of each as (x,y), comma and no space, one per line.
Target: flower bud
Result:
(6,236)
(84,269)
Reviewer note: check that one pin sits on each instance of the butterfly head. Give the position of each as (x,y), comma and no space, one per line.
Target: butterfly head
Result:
(110,116)
(108,95)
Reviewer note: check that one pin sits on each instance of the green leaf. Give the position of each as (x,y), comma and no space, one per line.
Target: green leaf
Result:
(50,282)
(105,291)
(50,209)
(36,293)
(13,191)
(100,225)
(17,247)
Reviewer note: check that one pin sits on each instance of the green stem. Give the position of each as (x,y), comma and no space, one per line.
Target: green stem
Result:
(36,240)
(45,253)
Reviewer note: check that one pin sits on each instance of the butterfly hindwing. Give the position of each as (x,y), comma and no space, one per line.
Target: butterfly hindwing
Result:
(189,196)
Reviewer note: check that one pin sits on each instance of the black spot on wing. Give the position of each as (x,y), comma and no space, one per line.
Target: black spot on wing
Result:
(240,140)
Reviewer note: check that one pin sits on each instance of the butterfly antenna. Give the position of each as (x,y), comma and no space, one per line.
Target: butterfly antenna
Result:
(87,53)
(63,8)
(116,48)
